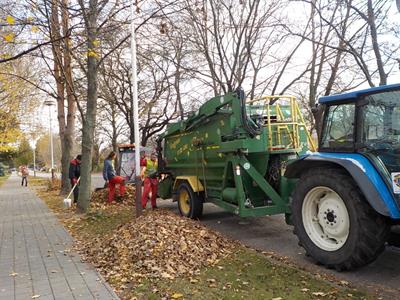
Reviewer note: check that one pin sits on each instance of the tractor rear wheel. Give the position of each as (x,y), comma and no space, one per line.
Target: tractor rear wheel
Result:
(190,204)
(334,223)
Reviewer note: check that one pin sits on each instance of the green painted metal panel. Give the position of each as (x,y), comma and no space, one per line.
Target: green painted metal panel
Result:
(233,162)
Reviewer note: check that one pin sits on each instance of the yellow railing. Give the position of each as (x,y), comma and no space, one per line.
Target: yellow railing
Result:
(289,124)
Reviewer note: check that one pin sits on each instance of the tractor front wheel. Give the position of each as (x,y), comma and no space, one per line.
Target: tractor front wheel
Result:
(334,222)
(190,203)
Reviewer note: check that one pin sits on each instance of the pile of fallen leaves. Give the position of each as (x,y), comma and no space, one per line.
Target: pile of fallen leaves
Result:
(159,244)
(101,195)
(53,184)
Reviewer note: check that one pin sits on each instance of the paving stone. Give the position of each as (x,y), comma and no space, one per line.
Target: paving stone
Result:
(32,242)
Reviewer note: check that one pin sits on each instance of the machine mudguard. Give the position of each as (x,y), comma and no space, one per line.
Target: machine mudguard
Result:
(360,169)
(193,181)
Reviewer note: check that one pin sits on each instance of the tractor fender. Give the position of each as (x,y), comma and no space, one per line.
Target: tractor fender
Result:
(360,169)
(194,182)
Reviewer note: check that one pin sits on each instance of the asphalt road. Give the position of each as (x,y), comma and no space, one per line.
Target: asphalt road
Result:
(271,233)
(97,178)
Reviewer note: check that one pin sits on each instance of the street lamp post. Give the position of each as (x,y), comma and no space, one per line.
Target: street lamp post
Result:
(138,181)
(50,103)
(34,161)
(33,143)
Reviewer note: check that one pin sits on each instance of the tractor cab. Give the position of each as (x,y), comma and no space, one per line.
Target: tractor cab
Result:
(365,122)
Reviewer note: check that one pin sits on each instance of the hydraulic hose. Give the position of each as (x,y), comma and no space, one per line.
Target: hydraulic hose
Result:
(252,132)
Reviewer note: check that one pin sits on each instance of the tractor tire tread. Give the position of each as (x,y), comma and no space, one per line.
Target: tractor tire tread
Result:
(373,228)
(196,202)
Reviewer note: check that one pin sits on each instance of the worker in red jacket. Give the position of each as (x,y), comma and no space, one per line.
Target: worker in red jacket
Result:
(74,174)
(149,175)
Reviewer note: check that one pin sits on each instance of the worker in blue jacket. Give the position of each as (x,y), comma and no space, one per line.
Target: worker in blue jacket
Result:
(112,178)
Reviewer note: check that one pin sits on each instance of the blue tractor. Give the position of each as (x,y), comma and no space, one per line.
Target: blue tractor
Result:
(347,196)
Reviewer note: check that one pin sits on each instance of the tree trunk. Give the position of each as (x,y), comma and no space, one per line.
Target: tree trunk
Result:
(318,114)
(131,134)
(68,139)
(114,127)
(177,78)
(91,106)
(59,78)
(375,44)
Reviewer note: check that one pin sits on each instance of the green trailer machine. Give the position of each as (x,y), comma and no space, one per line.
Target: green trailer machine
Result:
(233,153)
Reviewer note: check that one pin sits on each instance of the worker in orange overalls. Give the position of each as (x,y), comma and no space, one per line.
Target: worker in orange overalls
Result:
(149,176)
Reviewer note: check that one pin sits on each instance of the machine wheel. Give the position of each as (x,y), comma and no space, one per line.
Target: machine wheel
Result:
(190,203)
(394,236)
(334,223)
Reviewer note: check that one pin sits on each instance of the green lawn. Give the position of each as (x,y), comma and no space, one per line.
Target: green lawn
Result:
(247,275)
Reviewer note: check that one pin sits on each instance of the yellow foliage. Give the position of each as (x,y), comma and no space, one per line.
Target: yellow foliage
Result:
(96,43)
(9,37)
(5,55)
(15,103)
(34,29)
(10,20)
(92,53)
(9,132)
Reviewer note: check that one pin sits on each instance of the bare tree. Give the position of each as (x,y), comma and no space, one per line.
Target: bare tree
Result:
(90,15)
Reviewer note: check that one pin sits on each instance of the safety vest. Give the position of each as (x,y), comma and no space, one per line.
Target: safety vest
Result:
(151,167)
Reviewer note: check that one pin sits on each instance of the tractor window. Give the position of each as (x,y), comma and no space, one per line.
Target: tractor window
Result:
(373,122)
(339,127)
(379,133)
(381,119)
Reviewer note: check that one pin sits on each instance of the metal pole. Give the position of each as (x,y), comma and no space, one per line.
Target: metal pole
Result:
(34,161)
(138,181)
(51,146)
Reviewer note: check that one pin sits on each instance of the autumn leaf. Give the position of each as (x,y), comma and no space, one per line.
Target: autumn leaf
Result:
(319,294)
(92,53)
(9,37)
(10,20)
(96,43)
(177,296)
(192,280)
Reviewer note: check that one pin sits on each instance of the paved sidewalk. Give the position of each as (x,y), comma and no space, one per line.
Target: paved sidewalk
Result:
(33,260)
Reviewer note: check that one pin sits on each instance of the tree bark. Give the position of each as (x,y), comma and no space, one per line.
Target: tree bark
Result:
(89,120)
(375,44)
(68,138)
(59,78)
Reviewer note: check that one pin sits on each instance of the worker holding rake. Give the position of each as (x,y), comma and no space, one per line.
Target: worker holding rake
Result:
(74,175)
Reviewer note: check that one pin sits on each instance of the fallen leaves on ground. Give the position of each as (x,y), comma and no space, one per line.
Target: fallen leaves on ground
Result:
(159,244)
(100,196)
